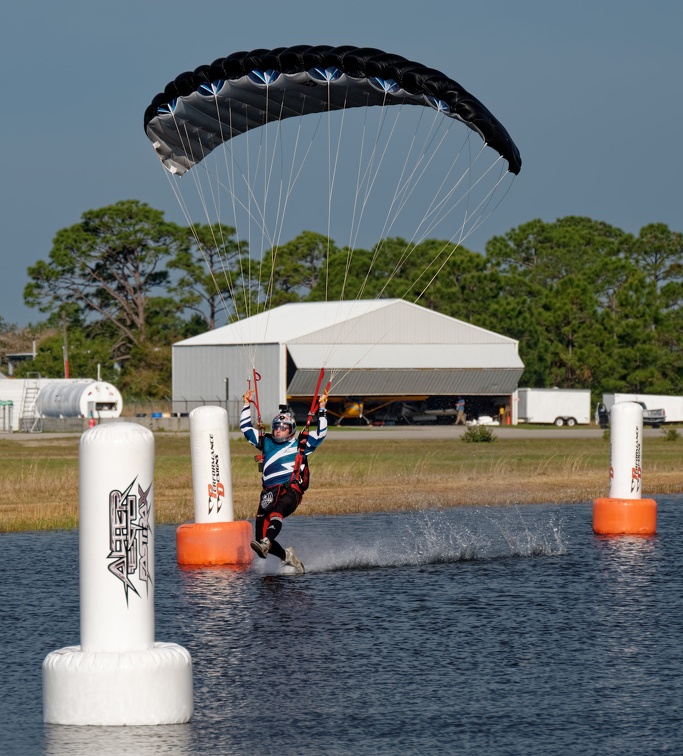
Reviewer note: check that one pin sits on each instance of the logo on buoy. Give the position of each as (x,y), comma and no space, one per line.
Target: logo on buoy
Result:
(216,488)
(129,534)
(636,470)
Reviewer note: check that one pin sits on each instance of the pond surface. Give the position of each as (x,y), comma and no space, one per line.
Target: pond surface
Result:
(468,631)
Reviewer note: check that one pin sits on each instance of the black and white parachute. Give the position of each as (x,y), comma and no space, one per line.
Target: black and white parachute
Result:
(202,109)
(299,143)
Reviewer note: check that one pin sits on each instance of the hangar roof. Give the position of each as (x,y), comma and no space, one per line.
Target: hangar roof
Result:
(375,323)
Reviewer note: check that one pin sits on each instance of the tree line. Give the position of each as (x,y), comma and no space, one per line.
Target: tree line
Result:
(591,305)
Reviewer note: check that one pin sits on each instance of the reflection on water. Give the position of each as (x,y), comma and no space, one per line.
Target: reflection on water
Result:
(489,630)
(66,740)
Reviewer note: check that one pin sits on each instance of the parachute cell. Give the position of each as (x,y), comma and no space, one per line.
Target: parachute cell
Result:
(201,110)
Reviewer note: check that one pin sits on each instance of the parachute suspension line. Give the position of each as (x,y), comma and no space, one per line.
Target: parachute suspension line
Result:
(461,232)
(372,171)
(378,246)
(349,249)
(283,196)
(402,185)
(234,173)
(360,179)
(293,176)
(219,242)
(437,210)
(332,174)
(331,177)
(406,189)
(405,184)
(230,178)
(411,184)
(252,177)
(213,186)
(273,239)
(473,217)
(479,215)
(364,183)
(282,190)
(480,219)
(424,162)
(200,246)
(329,188)
(269,238)
(183,206)
(437,203)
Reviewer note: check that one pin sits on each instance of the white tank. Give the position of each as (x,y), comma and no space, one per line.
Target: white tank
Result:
(79,398)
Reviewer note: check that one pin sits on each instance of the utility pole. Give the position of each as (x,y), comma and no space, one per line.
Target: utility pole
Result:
(65,348)
(227,398)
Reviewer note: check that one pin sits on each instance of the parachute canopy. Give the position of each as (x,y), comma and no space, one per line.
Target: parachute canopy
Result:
(201,109)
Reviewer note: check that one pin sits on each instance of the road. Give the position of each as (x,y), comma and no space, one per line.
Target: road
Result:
(450,432)
(403,432)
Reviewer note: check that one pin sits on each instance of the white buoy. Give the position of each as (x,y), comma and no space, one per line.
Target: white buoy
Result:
(210,452)
(118,675)
(214,537)
(625,511)
(626,450)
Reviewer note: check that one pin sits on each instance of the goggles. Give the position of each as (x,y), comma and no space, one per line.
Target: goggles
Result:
(282,426)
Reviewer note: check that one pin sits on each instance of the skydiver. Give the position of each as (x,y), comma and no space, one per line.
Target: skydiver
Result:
(281,494)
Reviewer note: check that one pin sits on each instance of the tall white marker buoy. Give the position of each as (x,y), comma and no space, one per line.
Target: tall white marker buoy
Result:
(625,512)
(214,537)
(118,675)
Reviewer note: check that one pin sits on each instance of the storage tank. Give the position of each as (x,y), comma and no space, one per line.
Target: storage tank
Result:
(79,398)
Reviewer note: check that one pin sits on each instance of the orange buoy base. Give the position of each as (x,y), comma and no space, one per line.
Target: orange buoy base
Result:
(625,516)
(202,543)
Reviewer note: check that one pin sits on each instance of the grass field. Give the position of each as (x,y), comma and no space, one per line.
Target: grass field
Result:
(39,476)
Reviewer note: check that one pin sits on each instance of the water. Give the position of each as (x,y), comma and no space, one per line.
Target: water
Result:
(465,631)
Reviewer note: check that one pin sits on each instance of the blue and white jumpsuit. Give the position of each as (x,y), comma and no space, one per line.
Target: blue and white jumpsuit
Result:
(280,495)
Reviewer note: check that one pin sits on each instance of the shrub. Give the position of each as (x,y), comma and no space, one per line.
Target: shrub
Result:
(671,434)
(478,434)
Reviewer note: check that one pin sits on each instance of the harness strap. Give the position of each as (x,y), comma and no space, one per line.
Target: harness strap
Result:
(303,435)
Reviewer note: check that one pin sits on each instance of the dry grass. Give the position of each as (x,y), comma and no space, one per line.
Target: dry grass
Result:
(39,476)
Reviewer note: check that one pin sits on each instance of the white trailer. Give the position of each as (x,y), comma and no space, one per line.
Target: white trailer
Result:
(672,405)
(556,406)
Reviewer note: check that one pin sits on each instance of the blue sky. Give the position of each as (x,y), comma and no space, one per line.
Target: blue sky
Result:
(590,92)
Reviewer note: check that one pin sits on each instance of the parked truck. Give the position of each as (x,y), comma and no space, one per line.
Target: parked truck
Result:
(657,408)
(556,406)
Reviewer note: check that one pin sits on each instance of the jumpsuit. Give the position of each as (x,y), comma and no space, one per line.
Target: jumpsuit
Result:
(279,498)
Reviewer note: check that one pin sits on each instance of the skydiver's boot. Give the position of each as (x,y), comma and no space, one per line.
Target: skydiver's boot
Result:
(292,560)
(261,547)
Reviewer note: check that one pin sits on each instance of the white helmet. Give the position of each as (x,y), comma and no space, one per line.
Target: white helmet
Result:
(284,420)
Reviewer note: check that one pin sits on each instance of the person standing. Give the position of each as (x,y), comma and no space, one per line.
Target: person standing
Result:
(460,411)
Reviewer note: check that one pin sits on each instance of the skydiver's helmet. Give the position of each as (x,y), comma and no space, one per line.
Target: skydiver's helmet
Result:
(284,420)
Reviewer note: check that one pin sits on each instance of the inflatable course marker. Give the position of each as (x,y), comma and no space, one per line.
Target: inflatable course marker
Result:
(214,537)
(624,512)
(118,675)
